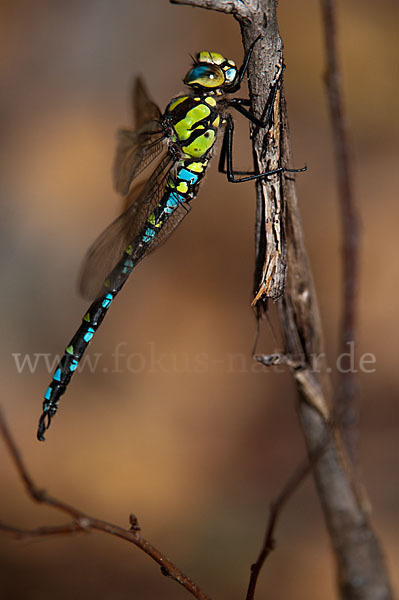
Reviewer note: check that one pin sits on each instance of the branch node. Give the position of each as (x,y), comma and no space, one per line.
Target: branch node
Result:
(134,524)
(37,494)
(84,523)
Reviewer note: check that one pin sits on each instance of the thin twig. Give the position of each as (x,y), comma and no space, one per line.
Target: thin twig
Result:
(84,523)
(276,508)
(346,397)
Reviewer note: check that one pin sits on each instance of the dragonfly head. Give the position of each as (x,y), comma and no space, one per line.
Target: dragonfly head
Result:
(211,71)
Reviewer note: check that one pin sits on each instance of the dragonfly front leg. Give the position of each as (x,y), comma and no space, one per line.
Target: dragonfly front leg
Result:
(239,103)
(243,69)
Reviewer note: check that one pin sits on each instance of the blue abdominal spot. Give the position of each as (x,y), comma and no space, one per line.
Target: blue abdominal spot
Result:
(107,301)
(87,337)
(185,175)
(174,200)
(149,235)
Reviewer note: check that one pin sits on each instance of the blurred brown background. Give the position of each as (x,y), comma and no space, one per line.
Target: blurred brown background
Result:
(197,451)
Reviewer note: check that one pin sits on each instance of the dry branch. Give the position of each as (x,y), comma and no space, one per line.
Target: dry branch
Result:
(361,569)
(84,523)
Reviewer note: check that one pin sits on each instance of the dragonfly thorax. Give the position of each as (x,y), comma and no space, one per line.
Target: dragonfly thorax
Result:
(194,122)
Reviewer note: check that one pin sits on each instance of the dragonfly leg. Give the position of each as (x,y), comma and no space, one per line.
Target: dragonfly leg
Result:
(226,160)
(243,69)
(240,103)
(223,154)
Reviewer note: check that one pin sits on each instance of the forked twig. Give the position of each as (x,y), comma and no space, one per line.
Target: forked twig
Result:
(84,523)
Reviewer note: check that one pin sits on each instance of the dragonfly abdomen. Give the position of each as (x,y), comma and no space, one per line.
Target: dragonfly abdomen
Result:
(180,189)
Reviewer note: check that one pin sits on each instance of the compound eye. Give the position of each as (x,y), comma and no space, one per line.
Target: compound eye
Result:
(207,76)
(230,74)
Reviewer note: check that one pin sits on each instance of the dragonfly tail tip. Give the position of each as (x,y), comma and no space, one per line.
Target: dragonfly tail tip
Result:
(43,426)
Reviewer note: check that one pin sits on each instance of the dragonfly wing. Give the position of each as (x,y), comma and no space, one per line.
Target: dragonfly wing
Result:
(173,221)
(109,247)
(136,149)
(144,109)
(134,152)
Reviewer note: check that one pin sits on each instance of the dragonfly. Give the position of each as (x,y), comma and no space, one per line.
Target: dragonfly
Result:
(183,140)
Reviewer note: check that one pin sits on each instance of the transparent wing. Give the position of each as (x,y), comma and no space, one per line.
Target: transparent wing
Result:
(144,108)
(173,221)
(109,247)
(136,149)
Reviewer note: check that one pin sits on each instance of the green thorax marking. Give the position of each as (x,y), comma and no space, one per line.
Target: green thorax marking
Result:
(201,144)
(184,128)
(195,120)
